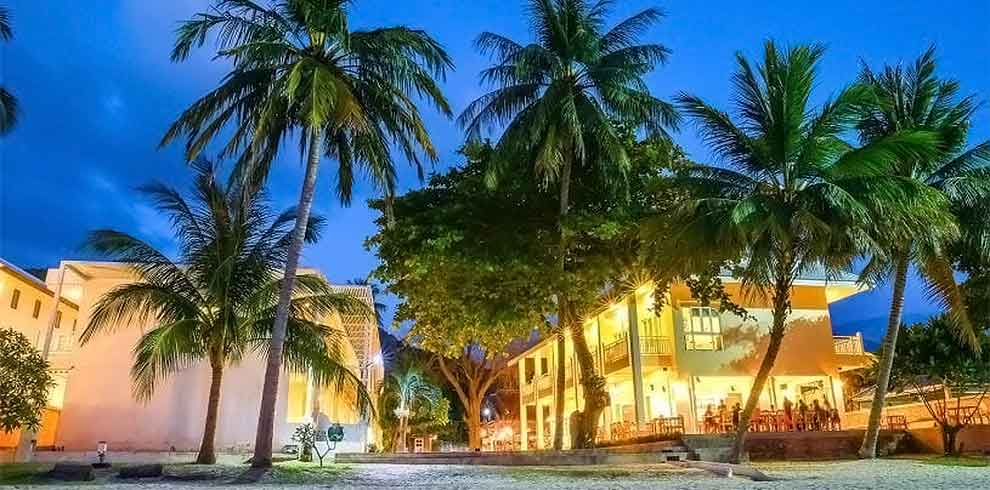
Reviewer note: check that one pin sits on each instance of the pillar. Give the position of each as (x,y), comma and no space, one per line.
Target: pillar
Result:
(636,358)
(539,403)
(523,437)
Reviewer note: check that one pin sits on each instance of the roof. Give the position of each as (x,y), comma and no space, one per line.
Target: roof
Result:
(33,280)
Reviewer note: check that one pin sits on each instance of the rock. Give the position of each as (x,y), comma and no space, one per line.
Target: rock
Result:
(141,471)
(72,472)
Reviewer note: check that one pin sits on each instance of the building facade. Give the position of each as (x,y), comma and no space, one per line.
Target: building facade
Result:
(674,363)
(28,306)
(96,402)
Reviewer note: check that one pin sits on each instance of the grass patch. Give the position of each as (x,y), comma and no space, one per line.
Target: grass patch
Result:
(962,461)
(297,472)
(23,473)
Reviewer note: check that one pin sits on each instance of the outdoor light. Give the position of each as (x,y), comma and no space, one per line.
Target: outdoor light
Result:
(377,359)
(487,412)
(101,453)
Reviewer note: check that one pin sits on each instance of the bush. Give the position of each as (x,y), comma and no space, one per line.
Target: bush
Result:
(24,382)
(305,435)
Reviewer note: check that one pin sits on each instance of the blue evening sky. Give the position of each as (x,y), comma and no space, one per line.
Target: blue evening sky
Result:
(97,91)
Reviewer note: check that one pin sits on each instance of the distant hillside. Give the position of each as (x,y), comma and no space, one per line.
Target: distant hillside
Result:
(874,327)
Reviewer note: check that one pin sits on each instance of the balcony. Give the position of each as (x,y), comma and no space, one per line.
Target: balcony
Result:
(850,345)
(655,351)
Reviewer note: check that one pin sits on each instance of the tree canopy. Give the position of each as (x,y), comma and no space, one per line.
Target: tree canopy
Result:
(24,382)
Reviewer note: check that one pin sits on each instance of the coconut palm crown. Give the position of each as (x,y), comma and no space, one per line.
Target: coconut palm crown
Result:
(912,97)
(298,71)
(790,196)
(217,303)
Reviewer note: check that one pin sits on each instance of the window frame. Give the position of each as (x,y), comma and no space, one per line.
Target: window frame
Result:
(710,327)
(37,309)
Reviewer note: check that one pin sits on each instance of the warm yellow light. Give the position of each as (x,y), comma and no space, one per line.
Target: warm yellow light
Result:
(680,389)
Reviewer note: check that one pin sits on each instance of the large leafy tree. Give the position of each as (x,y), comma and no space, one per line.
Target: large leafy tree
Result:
(218,302)
(24,382)
(941,374)
(558,97)
(914,98)
(348,95)
(471,268)
(792,196)
(8,103)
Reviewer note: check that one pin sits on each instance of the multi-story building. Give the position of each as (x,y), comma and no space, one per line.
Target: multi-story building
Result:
(97,404)
(678,361)
(27,305)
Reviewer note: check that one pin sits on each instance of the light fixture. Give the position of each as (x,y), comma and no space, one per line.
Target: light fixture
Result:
(101,453)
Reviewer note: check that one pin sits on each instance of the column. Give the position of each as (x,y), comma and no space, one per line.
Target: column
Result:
(539,402)
(636,358)
(523,439)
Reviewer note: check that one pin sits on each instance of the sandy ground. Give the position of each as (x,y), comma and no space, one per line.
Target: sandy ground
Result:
(882,474)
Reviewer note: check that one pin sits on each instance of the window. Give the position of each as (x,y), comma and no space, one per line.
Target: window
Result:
(297,409)
(63,343)
(15,298)
(37,308)
(58,319)
(702,329)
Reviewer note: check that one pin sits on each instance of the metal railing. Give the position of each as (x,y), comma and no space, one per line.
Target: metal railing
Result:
(616,350)
(848,344)
(656,346)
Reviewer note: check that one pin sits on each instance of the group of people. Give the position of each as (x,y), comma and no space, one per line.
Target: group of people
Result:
(819,416)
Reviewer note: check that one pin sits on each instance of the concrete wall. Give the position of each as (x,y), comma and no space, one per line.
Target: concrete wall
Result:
(974,438)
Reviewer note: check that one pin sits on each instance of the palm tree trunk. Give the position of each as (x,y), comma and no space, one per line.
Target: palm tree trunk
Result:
(869,447)
(558,393)
(207,453)
(592,384)
(269,394)
(781,308)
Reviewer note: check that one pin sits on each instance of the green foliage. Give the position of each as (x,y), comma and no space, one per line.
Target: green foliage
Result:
(914,98)
(411,388)
(925,357)
(305,436)
(218,301)
(24,382)
(470,263)
(9,110)
(559,95)
(297,67)
(793,197)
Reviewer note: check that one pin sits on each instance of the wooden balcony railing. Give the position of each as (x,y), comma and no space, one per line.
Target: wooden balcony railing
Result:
(656,346)
(848,344)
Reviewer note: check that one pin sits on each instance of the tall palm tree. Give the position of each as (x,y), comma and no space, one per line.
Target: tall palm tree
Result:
(410,387)
(218,301)
(8,103)
(793,197)
(559,98)
(298,71)
(915,98)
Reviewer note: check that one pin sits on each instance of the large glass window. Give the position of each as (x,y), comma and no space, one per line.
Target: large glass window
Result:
(702,329)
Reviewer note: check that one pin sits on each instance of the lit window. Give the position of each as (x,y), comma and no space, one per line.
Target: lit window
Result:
(15,298)
(297,410)
(37,308)
(702,329)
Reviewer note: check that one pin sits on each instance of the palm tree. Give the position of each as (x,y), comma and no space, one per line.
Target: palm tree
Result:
(559,98)
(410,387)
(218,302)
(298,71)
(793,197)
(8,103)
(915,98)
